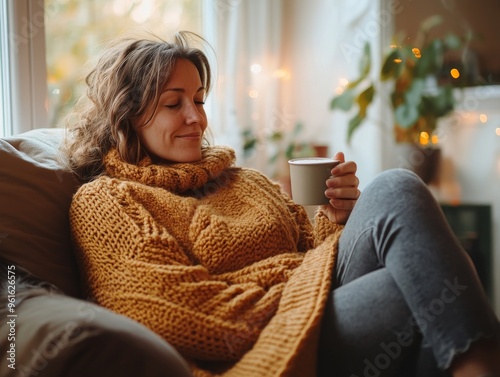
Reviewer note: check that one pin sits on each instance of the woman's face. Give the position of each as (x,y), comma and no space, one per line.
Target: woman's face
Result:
(175,131)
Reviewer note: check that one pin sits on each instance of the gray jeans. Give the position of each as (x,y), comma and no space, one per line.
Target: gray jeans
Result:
(405,294)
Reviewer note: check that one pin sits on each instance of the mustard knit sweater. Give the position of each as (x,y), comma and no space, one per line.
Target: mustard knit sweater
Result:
(214,258)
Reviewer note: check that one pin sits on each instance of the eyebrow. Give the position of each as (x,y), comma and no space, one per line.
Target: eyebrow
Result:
(182,90)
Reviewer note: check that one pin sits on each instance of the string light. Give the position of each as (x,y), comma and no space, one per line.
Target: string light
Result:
(497,131)
(253,93)
(483,118)
(256,68)
(455,73)
(424,138)
(416,52)
(343,82)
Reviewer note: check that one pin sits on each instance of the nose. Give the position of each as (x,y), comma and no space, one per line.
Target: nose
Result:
(194,114)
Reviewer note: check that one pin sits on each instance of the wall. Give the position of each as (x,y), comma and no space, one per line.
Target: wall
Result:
(460,17)
(323,41)
(471,149)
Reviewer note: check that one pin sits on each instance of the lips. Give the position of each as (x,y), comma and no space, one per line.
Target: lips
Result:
(190,136)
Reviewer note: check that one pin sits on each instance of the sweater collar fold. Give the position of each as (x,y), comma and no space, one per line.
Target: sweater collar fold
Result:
(175,177)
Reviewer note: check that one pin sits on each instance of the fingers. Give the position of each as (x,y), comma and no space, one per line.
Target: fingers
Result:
(342,187)
(342,204)
(349,180)
(343,193)
(339,156)
(343,168)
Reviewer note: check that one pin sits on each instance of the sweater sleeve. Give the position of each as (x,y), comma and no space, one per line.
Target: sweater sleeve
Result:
(153,280)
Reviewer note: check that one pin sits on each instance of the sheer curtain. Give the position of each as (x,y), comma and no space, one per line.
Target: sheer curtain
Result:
(246,39)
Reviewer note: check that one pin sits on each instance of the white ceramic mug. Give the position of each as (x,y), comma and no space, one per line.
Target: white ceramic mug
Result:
(308,179)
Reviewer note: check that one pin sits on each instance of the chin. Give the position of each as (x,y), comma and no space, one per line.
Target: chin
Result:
(187,157)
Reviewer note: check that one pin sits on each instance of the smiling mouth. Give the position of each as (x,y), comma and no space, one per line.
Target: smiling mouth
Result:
(192,136)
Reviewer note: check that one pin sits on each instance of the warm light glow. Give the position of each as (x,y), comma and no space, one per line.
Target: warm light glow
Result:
(497,131)
(416,52)
(343,82)
(256,68)
(397,61)
(393,46)
(424,138)
(280,73)
(455,73)
(435,139)
(253,93)
(483,118)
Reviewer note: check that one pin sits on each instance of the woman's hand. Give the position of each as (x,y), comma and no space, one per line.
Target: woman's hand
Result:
(342,190)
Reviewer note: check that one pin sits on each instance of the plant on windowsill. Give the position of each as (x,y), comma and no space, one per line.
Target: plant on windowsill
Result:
(420,86)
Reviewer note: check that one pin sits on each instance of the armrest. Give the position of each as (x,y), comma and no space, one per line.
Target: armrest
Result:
(56,335)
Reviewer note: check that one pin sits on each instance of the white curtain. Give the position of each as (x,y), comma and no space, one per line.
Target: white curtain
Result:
(246,38)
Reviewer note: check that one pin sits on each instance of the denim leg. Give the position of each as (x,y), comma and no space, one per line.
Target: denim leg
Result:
(398,227)
(366,330)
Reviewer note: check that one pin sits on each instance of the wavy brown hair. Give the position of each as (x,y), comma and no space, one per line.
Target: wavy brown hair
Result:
(124,86)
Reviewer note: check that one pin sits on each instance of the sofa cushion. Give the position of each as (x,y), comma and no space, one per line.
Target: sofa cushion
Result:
(35,194)
(57,335)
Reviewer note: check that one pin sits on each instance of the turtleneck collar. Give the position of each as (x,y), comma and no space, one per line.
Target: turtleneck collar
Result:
(175,177)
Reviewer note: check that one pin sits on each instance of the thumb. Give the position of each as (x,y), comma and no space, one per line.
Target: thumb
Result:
(339,156)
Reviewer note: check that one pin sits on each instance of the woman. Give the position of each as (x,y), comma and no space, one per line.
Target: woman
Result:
(224,266)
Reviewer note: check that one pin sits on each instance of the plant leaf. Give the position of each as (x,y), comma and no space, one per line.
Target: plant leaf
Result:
(440,104)
(393,65)
(430,22)
(276,136)
(364,99)
(431,60)
(364,67)
(289,150)
(365,62)
(296,130)
(452,41)
(343,101)
(406,114)
(413,95)
(353,125)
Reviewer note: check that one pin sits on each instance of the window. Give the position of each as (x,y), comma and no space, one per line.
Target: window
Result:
(75,31)
(24,87)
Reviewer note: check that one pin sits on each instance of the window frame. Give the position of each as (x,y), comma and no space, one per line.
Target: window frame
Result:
(26,92)
(5,110)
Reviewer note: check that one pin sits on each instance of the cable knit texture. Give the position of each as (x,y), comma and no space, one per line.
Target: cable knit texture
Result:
(214,258)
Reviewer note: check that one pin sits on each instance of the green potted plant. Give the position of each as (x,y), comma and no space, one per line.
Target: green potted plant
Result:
(420,85)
